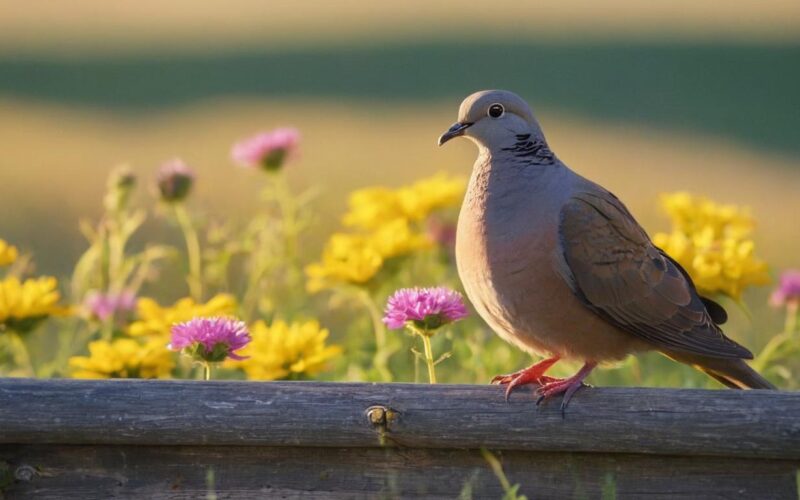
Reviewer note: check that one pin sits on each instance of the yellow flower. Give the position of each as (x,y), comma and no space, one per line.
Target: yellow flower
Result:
(387,218)
(398,238)
(8,253)
(24,304)
(286,350)
(156,321)
(711,242)
(678,246)
(123,358)
(357,258)
(693,214)
(427,195)
(371,208)
(348,258)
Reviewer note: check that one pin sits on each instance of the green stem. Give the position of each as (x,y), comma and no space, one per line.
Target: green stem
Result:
(116,252)
(117,240)
(497,468)
(107,329)
(636,369)
(381,358)
(74,337)
(251,294)
(141,273)
(23,355)
(206,371)
(194,279)
(288,214)
(426,342)
(276,191)
(789,330)
(104,250)
(766,354)
(791,317)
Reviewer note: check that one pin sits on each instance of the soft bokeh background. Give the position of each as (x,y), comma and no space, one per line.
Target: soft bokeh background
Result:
(644,97)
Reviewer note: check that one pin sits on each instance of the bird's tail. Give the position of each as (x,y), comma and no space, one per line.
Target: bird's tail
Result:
(734,373)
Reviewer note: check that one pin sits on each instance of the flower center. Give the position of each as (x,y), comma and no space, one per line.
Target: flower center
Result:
(429,324)
(274,159)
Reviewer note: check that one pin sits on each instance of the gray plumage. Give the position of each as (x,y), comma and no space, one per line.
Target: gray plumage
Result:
(558,266)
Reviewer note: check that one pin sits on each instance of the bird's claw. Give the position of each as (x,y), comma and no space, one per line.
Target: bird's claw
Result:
(567,387)
(534,374)
(505,379)
(502,379)
(564,386)
(524,379)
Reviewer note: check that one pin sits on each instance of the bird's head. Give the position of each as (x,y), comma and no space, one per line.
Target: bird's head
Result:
(493,118)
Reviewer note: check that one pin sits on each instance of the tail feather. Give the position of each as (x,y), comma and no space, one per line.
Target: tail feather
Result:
(734,373)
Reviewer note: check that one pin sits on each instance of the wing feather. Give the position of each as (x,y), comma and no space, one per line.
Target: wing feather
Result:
(610,263)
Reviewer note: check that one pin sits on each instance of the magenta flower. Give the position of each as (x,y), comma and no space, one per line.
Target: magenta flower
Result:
(788,291)
(175,179)
(109,304)
(425,309)
(210,339)
(268,150)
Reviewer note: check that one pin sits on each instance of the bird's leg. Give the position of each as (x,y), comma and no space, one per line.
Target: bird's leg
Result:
(567,386)
(532,374)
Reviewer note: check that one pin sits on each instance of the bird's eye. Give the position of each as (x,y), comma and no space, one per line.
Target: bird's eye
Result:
(496,110)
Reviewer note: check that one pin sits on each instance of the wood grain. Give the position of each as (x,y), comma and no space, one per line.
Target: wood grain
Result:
(756,424)
(87,472)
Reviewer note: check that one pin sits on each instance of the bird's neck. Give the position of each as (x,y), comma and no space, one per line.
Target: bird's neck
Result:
(526,149)
(524,155)
(505,176)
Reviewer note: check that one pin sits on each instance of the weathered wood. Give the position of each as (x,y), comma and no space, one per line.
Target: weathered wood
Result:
(88,472)
(763,424)
(66,439)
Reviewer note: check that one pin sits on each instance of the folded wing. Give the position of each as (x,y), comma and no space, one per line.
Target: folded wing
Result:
(612,266)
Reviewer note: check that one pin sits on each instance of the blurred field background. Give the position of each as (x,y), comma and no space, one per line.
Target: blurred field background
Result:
(642,97)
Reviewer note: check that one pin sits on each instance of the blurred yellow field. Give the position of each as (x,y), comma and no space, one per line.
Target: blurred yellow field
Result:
(60,150)
(69,26)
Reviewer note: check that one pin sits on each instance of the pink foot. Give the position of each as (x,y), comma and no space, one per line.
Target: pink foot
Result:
(566,386)
(534,374)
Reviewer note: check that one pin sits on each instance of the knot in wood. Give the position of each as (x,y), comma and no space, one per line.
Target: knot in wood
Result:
(24,473)
(376,415)
(380,416)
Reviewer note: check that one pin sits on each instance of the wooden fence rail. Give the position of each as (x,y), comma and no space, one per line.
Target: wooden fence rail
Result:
(185,439)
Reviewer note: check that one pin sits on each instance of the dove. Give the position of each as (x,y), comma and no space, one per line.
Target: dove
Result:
(556,265)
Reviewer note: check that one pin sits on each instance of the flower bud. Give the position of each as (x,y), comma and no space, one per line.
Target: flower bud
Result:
(268,150)
(175,180)
(121,183)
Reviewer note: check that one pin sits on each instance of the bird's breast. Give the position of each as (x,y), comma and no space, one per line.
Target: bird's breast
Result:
(504,245)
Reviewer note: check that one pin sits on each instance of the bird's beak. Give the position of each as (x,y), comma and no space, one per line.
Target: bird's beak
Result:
(457,129)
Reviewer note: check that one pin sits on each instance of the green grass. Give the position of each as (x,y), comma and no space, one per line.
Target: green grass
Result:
(746,92)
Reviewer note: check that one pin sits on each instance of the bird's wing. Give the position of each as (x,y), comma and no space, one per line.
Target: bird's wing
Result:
(610,263)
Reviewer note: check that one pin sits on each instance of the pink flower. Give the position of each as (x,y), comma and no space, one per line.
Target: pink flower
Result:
(268,150)
(210,339)
(424,308)
(442,232)
(788,290)
(175,179)
(106,305)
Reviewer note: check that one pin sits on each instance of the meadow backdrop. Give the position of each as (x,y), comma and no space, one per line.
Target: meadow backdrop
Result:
(643,98)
